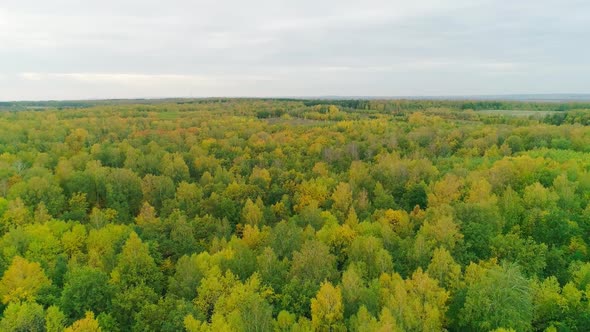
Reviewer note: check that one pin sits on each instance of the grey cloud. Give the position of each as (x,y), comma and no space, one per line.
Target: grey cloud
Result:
(129,48)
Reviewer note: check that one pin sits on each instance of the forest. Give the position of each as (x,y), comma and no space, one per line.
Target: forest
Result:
(294,215)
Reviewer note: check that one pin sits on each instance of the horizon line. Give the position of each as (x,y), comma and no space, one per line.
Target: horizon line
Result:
(455,97)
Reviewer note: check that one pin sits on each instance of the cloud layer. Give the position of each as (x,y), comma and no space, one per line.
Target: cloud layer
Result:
(66,49)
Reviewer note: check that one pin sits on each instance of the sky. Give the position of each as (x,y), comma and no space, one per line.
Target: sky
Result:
(72,49)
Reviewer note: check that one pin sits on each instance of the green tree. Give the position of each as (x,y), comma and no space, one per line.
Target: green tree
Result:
(383,200)
(135,266)
(497,297)
(37,190)
(55,320)
(77,208)
(313,263)
(85,289)
(273,272)
(286,238)
(368,253)
(443,268)
(187,276)
(127,303)
(123,193)
(189,196)
(157,189)
(357,294)
(23,317)
(166,316)
(174,166)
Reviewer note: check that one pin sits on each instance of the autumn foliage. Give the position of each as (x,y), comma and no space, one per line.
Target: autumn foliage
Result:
(294,215)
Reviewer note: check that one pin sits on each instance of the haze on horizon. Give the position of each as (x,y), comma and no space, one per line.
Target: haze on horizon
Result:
(68,49)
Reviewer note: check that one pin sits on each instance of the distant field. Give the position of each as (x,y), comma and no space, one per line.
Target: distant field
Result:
(518,112)
(168,115)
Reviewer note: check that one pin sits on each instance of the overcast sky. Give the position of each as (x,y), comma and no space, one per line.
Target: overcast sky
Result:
(72,49)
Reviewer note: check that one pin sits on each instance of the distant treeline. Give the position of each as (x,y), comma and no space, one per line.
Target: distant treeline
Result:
(419,105)
(66,104)
(378,105)
(578,116)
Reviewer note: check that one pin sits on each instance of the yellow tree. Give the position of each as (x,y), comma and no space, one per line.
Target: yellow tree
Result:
(446,191)
(251,213)
(327,310)
(440,232)
(417,304)
(285,321)
(352,219)
(22,281)
(77,140)
(342,198)
(260,177)
(16,214)
(86,324)
(443,268)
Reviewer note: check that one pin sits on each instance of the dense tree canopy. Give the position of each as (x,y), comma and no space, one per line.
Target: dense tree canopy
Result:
(295,215)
